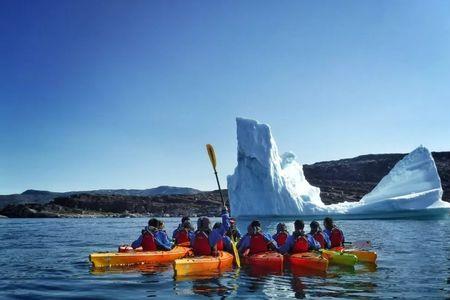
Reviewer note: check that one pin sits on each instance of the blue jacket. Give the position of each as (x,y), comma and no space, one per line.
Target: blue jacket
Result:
(217,234)
(244,243)
(227,244)
(287,247)
(161,239)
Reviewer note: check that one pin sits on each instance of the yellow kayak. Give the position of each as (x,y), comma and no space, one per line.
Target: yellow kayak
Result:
(108,259)
(203,265)
(363,255)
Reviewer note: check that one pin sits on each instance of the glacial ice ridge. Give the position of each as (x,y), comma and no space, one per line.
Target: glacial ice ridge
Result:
(266,183)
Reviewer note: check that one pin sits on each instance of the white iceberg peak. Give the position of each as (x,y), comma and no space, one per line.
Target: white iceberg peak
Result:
(266,184)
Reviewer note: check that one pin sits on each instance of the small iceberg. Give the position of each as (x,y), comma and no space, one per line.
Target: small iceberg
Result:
(265,183)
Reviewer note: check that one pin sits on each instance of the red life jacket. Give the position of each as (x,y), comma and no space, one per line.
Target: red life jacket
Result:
(182,237)
(336,237)
(148,242)
(201,244)
(281,238)
(318,236)
(258,244)
(301,245)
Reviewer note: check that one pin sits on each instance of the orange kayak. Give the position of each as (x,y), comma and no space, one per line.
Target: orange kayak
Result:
(203,265)
(309,260)
(266,260)
(362,255)
(130,257)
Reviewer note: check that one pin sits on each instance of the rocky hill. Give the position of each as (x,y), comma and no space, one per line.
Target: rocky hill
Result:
(42,197)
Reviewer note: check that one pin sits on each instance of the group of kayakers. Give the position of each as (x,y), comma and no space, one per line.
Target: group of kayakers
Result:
(208,239)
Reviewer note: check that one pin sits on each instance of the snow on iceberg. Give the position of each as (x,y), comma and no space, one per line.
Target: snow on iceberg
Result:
(412,184)
(267,184)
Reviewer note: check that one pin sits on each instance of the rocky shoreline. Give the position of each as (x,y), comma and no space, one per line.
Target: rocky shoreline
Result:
(88,206)
(340,180)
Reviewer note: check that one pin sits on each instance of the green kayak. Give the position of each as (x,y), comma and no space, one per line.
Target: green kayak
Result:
(340,258)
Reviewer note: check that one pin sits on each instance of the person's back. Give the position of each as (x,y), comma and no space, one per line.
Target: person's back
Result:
(299,242)
(209,241)
(335,235)
(180,226)
(256,241)
(185,235)
(282,234)
(319,236)
(152,239)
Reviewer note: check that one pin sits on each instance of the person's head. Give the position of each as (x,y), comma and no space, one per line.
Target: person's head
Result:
(187,225)
(254,227)
(328,223)
(153,223)
(281,227)
(161,224)
(184,219)
(217,225)
(314,226)
(232,222)
(203,223)
(299,225)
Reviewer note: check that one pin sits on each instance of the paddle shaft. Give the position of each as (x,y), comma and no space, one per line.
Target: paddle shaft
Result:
(220,190)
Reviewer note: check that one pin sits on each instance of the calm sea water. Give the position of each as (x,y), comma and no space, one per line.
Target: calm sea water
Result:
(48,259)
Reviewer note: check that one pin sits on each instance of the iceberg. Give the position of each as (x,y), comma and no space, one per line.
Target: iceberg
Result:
(266,183)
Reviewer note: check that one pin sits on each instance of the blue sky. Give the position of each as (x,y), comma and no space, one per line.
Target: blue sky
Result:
(124,94)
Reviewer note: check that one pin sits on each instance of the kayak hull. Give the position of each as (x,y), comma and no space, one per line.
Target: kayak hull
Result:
(340,258)
(364,256)
(308,260)
(108,259)
(268,260)
(203,265)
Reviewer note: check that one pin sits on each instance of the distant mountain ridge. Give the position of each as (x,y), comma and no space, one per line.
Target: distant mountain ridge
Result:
(339,180)
(42,197)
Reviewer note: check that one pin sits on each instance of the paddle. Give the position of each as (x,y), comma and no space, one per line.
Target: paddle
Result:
(359,244)
(212,158)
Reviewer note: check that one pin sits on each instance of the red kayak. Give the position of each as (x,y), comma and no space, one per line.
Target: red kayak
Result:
(269,260)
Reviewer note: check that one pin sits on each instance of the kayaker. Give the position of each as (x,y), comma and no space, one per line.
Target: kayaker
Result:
(185,235)
(256,241)
(233,231)
(299,242)
(152,239)
(335,235)
(209,241)
(282,234)
(179,227)
(319,236)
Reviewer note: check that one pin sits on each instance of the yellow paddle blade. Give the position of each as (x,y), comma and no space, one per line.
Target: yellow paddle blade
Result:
(212,155)
(236,253)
